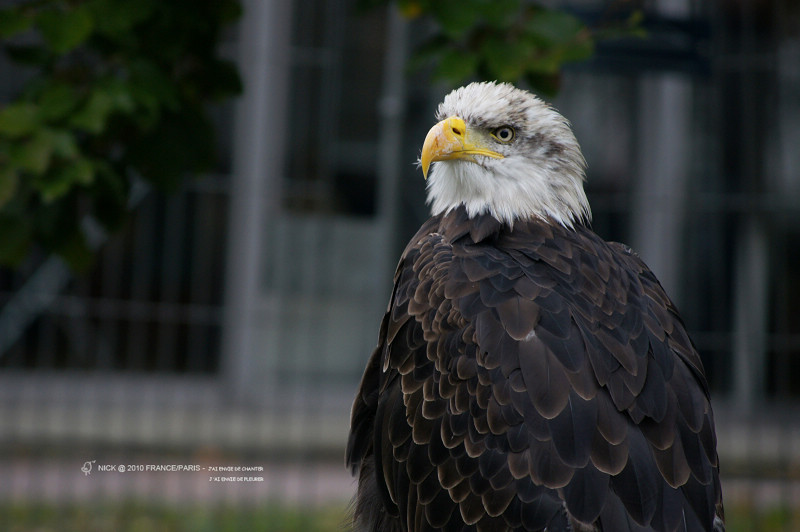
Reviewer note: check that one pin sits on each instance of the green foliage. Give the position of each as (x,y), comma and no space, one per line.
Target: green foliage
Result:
(119,91)
(507,40)
(132,516)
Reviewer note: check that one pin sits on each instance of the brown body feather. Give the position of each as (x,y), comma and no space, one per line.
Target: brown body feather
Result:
(530,379)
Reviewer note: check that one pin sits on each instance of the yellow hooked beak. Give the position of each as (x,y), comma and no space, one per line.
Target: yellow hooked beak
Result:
(450,139)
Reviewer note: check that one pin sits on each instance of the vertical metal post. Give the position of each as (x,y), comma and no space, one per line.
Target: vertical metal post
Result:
(663,166)
(751,288)
(257,174)
(392,111)
(663,172)
(751,293)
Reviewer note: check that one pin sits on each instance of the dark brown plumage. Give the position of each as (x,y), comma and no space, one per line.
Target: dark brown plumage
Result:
(531,378)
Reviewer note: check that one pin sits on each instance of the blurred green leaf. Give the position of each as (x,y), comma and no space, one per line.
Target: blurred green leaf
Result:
(59,182)
(33,154)
(456,65)
(63,30)
(151,88)
(580,50)
(428,52)
(65,144)
(13,20)
(19,119)
(9,180)
(548,63)
(499,13)
(117,88)
(80,172)
(92,116)
(124,515)
(513,40)
(506,60)
(633,26)
(630,27)
(106,98)
(554,27)
(455,17)
(114,19)
(57,100)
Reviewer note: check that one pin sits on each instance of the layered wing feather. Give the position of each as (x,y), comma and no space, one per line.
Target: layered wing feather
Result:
(529,379)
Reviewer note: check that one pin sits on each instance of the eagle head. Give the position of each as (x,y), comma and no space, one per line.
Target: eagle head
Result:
(501,150)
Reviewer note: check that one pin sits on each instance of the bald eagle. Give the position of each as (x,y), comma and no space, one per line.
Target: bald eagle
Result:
(528,375)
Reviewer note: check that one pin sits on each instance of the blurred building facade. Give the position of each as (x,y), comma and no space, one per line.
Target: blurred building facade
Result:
(242,310)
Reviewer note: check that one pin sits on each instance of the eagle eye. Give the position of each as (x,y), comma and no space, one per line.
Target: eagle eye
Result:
(504,134)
